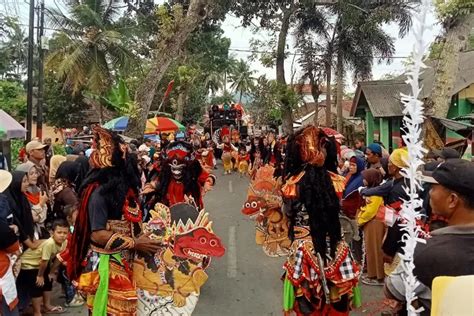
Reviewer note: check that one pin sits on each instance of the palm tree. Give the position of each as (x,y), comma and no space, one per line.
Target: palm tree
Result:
(214,81)
(242,78)
(13,48)
(355,38)
(90,47)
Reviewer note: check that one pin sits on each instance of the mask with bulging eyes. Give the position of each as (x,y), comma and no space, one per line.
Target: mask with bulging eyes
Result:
(177,169)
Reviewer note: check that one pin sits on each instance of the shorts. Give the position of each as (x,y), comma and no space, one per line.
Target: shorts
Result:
(26,282)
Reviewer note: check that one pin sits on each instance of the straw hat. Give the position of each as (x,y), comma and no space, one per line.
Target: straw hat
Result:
(5,180)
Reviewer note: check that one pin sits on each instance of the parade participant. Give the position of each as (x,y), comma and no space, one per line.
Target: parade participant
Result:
(181,176)
(312,206)
(264,203)
(227,148)
(243,161)
(107,228)
(169,281)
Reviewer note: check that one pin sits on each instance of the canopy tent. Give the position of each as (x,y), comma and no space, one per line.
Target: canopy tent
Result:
(10,128)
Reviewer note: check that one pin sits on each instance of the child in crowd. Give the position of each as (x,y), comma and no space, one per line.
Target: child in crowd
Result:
(374,230)
(243,160)
(73,299)
(36,275)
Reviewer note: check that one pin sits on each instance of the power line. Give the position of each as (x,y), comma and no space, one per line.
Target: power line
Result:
(255,51)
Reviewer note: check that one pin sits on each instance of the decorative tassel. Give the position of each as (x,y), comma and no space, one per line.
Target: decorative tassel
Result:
(413,119)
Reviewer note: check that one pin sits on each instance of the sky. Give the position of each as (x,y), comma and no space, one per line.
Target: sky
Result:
(241,37)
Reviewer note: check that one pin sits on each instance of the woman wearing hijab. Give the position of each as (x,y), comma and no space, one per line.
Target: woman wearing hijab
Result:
(21,208)
(37,197)
(374,230)
(54,164)
(351,199)
(64,188)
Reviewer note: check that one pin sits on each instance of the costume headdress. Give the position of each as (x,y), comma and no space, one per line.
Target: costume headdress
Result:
(108,146)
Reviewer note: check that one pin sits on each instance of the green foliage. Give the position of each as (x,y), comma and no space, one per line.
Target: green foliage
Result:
(13,48)
(268,97)
(118,100)
(59,149)
(15,146)
(226,97)
(89,50)
(449,11)
(13,99)
(242,78)
(61,107)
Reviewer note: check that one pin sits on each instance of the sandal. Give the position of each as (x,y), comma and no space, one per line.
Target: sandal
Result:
(76,302)
(55,310)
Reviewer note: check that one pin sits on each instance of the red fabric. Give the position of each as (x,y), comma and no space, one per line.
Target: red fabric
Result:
(210,159)
(175,193)
(34,198)
(81,237)
(5,259)
(22,154)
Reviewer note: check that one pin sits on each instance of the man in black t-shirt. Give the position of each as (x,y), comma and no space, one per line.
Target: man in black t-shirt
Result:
(450,251)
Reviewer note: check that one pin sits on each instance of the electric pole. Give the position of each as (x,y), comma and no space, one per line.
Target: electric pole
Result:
(40,40)
(29,97)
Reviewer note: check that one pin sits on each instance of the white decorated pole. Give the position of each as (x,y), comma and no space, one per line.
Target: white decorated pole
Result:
(413,120)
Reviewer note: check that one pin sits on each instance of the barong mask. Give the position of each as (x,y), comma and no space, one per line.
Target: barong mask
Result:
(104,145)
(178,157)
(311,146)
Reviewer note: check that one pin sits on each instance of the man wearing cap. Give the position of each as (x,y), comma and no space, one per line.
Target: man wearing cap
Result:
(450,251)
(374,158)
(35,151)
(446,153)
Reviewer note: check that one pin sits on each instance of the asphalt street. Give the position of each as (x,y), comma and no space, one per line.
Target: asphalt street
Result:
(244,281)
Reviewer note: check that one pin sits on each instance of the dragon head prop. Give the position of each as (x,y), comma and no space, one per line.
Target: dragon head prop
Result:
(187,230)
(263,192)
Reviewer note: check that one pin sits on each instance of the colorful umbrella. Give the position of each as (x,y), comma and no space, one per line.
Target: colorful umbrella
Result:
(9,128)
(117,124)
(162,124)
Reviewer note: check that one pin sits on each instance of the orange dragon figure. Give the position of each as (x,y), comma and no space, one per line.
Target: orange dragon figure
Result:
(264,204)
(169,281)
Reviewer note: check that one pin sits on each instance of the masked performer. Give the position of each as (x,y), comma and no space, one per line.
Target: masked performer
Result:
(320,271)
(182,176)
(107,229)
(227,149)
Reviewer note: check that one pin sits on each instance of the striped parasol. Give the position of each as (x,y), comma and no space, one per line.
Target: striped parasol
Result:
(162,124)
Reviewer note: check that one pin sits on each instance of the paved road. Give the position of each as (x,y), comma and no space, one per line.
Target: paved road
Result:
(245,281)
